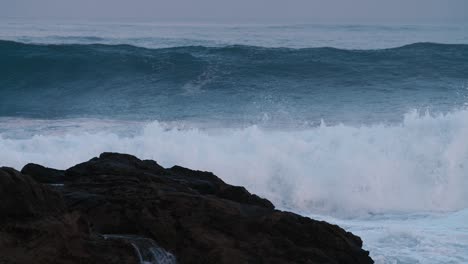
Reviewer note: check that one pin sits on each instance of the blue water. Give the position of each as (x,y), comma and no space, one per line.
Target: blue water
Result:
(361,125)
(286,86)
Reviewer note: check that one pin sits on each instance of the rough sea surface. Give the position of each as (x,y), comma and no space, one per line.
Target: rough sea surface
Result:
(364,126)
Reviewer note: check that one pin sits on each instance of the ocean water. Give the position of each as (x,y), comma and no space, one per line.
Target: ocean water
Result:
(364,126)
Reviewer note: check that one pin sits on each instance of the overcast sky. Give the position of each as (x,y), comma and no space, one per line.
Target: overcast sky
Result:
(297,11)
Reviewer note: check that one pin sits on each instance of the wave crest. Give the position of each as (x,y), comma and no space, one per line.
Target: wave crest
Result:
(57,81)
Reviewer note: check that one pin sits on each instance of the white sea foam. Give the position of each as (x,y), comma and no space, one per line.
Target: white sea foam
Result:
(418,165)
(412,238)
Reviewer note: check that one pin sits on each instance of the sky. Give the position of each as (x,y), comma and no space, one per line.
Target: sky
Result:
(297,11)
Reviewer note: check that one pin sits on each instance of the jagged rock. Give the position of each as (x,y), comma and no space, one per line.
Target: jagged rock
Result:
(198,217)
(191,214)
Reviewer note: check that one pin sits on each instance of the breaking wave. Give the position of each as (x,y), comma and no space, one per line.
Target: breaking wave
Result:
(417,165)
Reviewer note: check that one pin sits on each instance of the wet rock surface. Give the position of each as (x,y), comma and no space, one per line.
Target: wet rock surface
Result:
(193,215)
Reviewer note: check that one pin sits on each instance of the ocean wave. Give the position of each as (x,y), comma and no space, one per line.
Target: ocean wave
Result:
(417,165)
(53,81)
(74,62)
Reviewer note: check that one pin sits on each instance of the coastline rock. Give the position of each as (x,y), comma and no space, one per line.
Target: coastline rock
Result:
(192,214)
(22,197)
(35,227)
(42,174)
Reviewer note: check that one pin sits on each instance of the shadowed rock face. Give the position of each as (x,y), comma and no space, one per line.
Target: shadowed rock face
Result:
(43,174)
(35,227)
(22,197)
(193,214)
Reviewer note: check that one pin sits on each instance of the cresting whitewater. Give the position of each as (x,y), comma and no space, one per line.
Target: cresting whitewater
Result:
(371,139)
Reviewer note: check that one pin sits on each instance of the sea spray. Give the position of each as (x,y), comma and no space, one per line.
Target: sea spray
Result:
(341,170)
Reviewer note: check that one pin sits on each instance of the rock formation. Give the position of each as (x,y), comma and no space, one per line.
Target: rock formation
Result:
(192,214)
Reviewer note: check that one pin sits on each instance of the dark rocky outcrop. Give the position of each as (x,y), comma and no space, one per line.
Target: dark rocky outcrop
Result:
(192,214)
(43,174)
(35,227)
(22,197)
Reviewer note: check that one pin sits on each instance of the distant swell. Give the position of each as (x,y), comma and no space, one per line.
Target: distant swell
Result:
(95,79)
